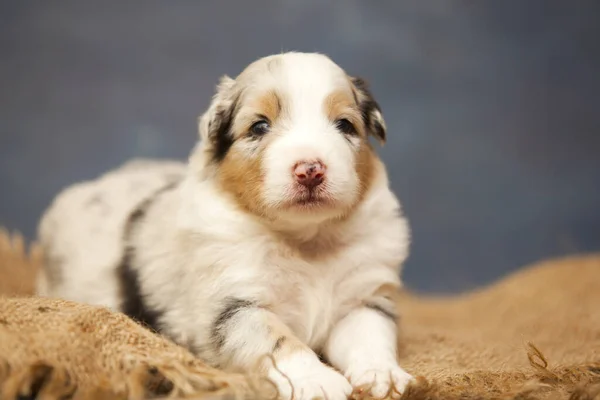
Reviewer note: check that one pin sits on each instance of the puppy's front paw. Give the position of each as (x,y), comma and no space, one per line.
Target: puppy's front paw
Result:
(380,381)
(309,378)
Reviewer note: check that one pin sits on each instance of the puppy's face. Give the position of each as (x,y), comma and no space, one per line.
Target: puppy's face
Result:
(288,138)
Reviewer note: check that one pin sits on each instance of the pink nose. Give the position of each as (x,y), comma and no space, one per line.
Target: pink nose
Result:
(310,173)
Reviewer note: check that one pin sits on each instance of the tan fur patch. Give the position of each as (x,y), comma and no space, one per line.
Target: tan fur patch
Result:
(241,175)
(341,104)
(285,343)
(365,168)
(388,291)
(270,105)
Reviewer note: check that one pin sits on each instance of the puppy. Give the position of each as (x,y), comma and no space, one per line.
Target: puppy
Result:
(279,237)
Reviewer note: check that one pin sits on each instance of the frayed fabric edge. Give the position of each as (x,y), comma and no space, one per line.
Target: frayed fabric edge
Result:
(173,380)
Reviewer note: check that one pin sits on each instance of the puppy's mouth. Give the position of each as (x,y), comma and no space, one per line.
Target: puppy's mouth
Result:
(310,200)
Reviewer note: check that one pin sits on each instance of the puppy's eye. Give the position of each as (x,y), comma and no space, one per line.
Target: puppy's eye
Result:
(260,127)
(345,126)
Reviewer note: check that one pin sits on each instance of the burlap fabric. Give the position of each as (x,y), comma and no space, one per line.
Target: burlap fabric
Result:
(533,335)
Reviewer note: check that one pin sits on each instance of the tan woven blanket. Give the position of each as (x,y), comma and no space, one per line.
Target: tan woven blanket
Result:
(533,335)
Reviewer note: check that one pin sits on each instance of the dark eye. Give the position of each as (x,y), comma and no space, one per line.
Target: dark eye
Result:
(260,128)
(345,126)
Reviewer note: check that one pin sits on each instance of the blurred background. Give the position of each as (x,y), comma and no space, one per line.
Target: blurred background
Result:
(492,108)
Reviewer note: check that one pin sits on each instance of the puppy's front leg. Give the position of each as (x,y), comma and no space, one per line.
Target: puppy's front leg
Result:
(245,332)
(363,345)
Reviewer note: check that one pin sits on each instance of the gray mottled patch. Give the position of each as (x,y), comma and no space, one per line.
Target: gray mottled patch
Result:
(278,343)
(384,310)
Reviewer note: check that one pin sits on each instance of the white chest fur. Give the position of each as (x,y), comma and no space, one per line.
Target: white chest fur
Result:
(312,295)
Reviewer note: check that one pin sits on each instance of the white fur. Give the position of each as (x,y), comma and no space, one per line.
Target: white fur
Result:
(303,376)
(364,346)
(196,248)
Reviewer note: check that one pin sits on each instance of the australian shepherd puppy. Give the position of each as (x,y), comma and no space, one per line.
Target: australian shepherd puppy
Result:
(279,237)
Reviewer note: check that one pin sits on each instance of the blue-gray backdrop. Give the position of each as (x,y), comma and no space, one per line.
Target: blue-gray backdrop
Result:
(492,107)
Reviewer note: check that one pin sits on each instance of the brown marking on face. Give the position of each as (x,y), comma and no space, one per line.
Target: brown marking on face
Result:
(341,104)
(270,105)
(240,174)
(365,167)
(265,105)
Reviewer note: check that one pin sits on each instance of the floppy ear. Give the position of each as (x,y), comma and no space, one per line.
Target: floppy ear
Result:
(215,124)
(371,113)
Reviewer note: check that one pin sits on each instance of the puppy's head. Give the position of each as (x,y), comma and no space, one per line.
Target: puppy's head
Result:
(288,138)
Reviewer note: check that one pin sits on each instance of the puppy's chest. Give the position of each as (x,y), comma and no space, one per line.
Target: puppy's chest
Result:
(306,296)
